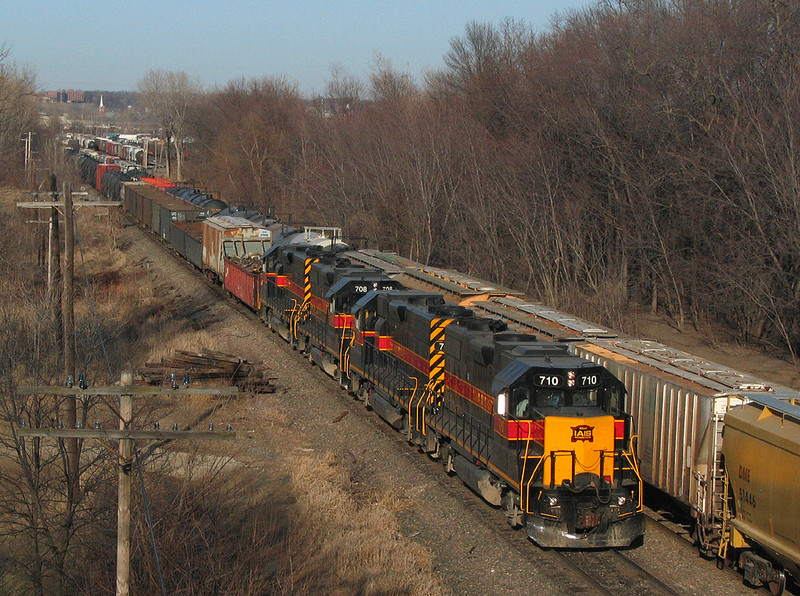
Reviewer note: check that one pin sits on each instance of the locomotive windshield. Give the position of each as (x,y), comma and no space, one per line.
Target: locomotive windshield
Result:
(524,400)
(563,389)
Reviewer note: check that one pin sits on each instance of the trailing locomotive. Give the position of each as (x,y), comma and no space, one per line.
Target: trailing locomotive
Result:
(525,424)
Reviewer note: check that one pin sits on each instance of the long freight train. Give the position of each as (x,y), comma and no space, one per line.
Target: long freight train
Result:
(676,401)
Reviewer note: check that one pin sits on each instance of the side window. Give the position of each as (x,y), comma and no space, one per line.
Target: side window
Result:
(614,396)
(521,403)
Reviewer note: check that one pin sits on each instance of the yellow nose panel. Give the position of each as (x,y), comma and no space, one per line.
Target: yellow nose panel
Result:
(577,445)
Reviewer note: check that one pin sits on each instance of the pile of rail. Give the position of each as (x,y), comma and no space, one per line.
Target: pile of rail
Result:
(208,365)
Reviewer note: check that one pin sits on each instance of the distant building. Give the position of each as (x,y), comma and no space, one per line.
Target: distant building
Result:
(66,96)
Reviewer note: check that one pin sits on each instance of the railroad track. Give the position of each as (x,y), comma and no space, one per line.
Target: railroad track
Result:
(612,572)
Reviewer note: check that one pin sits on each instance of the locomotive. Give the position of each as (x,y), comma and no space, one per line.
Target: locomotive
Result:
(528,426)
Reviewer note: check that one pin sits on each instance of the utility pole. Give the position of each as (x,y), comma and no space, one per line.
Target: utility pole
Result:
(54,268)
(68,318)
(54,278)
(126,437)
(53,250)
(29,169)
(124,492)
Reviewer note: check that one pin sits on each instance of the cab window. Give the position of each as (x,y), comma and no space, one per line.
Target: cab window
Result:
(584,398)
(550,398)
(520,403)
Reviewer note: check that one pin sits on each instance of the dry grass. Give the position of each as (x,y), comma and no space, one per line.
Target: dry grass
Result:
(242,528)
(347,546)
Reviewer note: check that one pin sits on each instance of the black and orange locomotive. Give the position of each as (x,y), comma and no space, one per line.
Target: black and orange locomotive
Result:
(529,426)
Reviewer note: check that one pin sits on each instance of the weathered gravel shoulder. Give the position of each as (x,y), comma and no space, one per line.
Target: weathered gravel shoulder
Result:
(473,549)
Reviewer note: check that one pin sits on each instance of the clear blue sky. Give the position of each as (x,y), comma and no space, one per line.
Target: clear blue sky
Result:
(109,45)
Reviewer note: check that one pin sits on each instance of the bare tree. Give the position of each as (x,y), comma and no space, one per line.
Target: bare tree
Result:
(344,90)
(169,95)
(18,112)
(388,85)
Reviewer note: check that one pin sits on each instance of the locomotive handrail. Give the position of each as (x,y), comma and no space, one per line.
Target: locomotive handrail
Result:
(633,461)
(523,498)
(299,313)
(551,457)
(412,423)
(344,351)
(417,413)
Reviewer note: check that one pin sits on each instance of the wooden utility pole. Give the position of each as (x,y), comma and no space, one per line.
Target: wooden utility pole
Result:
(54,251)
(126,438)
(68,318)
(29,165)
(124,493)
(62,300)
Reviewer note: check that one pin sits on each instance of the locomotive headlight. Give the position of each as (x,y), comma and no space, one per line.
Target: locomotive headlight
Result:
(621,501)
(552,501)
(502,403)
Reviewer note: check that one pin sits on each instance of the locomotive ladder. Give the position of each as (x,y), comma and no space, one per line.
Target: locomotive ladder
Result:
(430,395)
(346,342)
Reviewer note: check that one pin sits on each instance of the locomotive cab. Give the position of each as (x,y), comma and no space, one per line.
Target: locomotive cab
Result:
(527,401)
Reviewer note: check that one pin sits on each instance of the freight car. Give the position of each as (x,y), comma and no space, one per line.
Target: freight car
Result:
(761,521)
(531,428)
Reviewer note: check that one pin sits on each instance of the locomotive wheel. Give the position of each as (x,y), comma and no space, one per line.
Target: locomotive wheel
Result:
(777,587)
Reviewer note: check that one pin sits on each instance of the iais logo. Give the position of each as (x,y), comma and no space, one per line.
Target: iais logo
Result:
(583,432)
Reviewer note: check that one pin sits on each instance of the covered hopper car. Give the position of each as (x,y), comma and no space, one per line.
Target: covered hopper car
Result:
(762,520)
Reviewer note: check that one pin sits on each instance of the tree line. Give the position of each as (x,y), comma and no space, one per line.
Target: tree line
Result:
(636,153)
(19,114)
